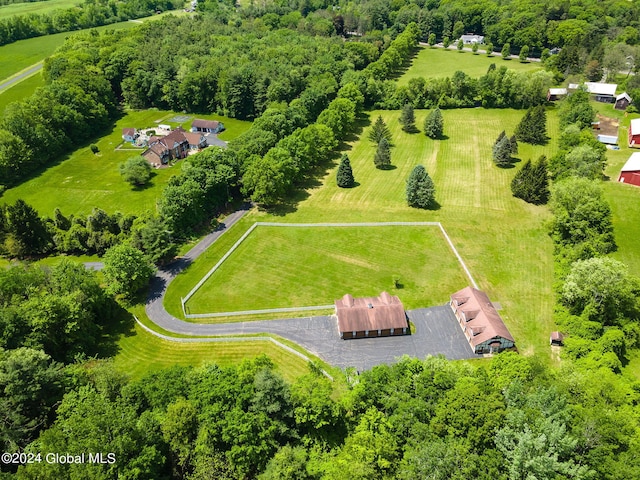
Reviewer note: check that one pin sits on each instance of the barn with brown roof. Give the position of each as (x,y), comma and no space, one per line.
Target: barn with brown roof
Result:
(206,126)
(480,321)
(380,316)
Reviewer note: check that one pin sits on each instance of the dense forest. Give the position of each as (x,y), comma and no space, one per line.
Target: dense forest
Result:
(303,72)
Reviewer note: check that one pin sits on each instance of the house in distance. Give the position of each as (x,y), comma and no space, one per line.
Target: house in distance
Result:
(207,126)
(480,321)
(380,316)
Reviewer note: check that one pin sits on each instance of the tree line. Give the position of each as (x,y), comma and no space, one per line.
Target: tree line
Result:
(88,14)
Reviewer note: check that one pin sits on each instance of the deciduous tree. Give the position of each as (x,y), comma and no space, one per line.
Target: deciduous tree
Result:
(136,171)
(126,270)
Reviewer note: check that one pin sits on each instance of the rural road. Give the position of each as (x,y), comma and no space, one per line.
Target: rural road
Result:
(21,76)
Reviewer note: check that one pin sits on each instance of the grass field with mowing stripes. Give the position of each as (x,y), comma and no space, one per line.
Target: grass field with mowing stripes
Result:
(502,239)
(35,7)
(278,267)
(440,62)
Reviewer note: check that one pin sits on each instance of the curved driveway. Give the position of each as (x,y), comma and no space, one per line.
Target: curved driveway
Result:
(437,330)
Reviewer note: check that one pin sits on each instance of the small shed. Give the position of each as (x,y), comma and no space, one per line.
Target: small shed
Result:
(602,92)
(634,133)
(556,339)
(630,172)
(622,101)
(608,139)
(380,316)
(556,94)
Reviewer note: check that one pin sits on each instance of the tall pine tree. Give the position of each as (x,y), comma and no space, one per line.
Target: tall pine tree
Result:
(434,124)
(533,126)
(420,189)
(344,177)
(379,131)
(382,159)
(502,151)
(531,183)
(407,118)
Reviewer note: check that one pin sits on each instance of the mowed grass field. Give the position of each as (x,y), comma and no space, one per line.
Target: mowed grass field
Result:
(19,55)
(20,90)
(440,62)
(83,181)
(297,266)
(142,353)
(502,239)
(35,7)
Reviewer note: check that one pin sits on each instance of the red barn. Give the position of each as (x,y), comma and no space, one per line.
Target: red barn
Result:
(634,133)
(630,173)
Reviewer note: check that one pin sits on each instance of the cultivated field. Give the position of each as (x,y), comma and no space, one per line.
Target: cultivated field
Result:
(297,266)
(440,62)
(85,180)
(503,240)
(35,7)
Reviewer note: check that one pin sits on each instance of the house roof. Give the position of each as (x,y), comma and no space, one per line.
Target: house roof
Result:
(485,322)
(128,132)
(557,336)
(174,138)
(634,126)
(557,91)
(471,38)
(152,156)
(623,95)
(633,164)
(199,123)
(194,138)
(597,88)
(370,313)
(608,139)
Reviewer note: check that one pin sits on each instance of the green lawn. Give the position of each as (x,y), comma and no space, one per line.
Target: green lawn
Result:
(84,180)
(438,62)
(142,352)
(292,267)
(35,7)
(20,90)
(20,55)
(503,240)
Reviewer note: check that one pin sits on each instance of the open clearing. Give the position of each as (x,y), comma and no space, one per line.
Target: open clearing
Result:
(35,7)
(19,55)
(503,240)
(84,180)
(143,352)
(440,62)
(281,267)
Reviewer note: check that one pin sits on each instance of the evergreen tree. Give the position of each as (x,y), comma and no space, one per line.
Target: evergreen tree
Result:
(382,160)
(533,126)
(446,41)
(434,124)
(27,234)
(420,189)
(531,183)
(344,178)
(506,51)
(407,118)
(502,151)
(514,144)
(379,131)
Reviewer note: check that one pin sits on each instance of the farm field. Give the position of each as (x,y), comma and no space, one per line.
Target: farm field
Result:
(20,90)
(83,181)
(35,7)
(297,266)
(440,62)
(502,239)
(19,55)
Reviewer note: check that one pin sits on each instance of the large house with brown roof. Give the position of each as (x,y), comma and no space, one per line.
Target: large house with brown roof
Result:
(175,145)
(380,316)
(482,325)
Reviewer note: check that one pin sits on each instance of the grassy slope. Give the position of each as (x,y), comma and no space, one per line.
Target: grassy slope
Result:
(19,55)
(502,239)
(438,62)
(289,267)
(85,180)
(20,90)
(35,7)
